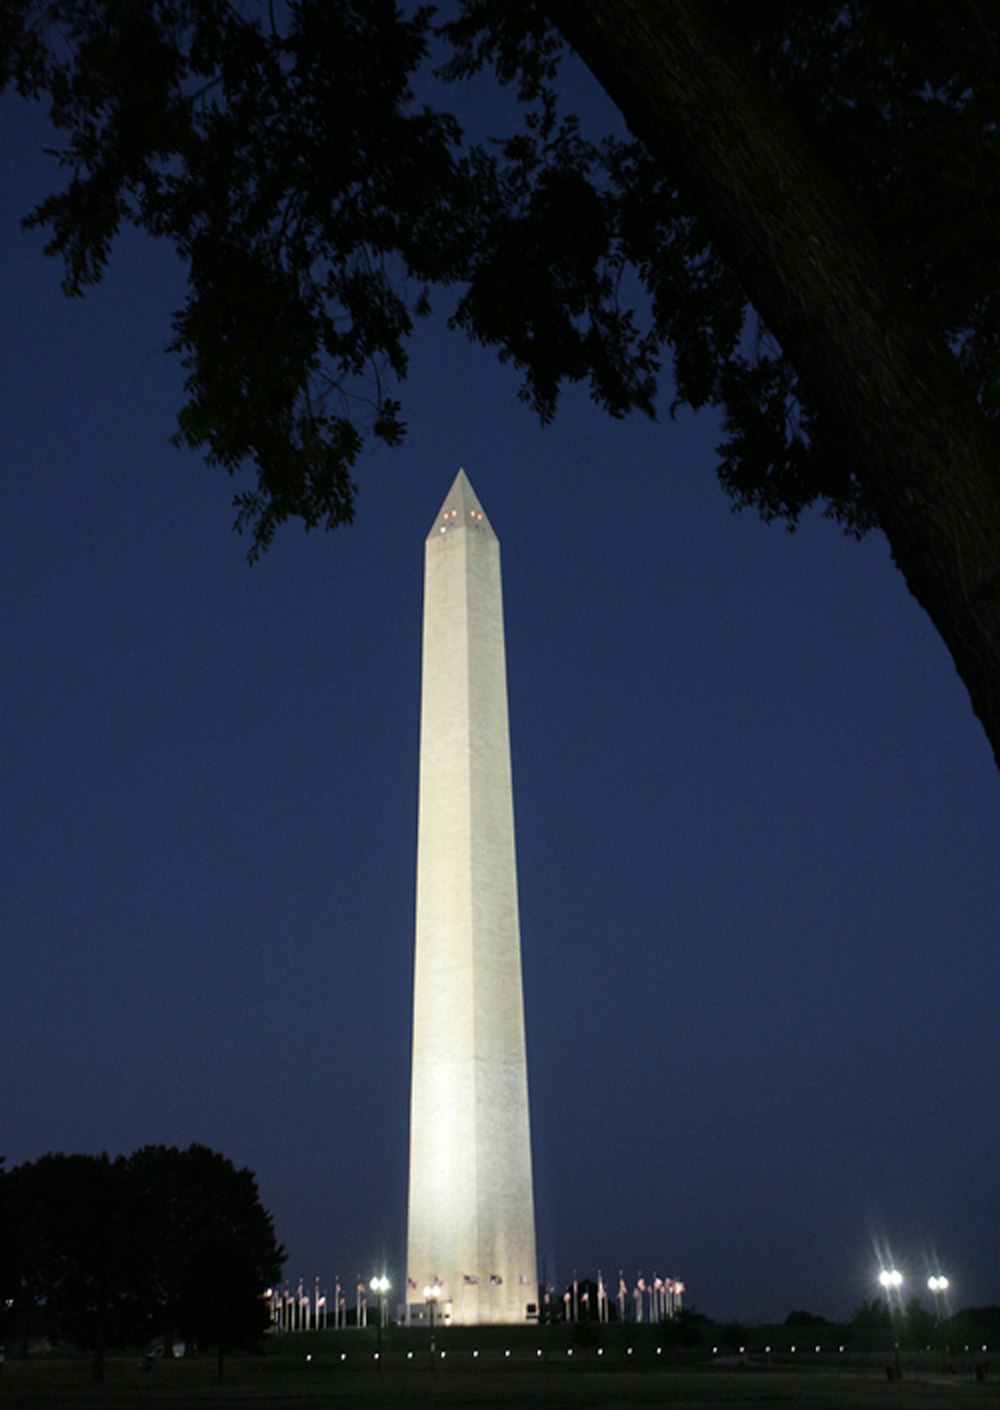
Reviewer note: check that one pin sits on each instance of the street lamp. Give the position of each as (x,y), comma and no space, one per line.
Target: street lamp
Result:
(380,1285)
(938,1284)
(892,1280)
(431,1294)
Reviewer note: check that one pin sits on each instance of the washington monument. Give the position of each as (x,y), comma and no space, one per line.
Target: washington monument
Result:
(471,1234)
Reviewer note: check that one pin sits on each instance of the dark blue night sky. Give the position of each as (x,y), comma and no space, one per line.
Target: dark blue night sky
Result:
(757,826)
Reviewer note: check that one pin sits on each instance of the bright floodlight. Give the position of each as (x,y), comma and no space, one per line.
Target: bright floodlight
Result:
(891,1278)
(937,1283)
(380,1284)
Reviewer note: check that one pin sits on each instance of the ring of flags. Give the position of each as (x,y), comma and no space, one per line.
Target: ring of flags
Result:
(655,1300)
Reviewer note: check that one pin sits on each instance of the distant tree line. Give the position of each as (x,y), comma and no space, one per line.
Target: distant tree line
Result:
(873,1326)
(102,1252)
(913,1326)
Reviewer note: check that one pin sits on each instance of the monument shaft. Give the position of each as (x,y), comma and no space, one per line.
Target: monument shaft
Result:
(471,1217)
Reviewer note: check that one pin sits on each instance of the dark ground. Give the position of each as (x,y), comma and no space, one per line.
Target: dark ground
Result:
(495,1383)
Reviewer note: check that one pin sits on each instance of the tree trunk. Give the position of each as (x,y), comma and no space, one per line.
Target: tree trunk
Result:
(100,1330)
(25,1332)
(923,452)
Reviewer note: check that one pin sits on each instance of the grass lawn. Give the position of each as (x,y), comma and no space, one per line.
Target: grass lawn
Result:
(492,1380)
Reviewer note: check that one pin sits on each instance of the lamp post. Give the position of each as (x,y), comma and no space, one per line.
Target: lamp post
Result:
(892,1280)
(380,1285)
(431,1294)
(938,1284)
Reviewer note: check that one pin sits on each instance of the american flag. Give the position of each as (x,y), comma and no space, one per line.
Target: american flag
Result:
(470,1279)
(495,1280)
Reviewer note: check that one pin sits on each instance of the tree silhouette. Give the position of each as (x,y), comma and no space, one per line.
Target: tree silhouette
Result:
(168,1239)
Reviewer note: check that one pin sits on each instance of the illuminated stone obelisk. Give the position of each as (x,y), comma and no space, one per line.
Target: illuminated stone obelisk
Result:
(471,1231)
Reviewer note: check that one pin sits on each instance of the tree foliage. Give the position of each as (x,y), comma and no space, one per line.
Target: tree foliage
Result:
(72,1251)
(973,1326)
(314,199)
(208,1246)
(296,180)
(320,202)
(799,1317)
(108,1251)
